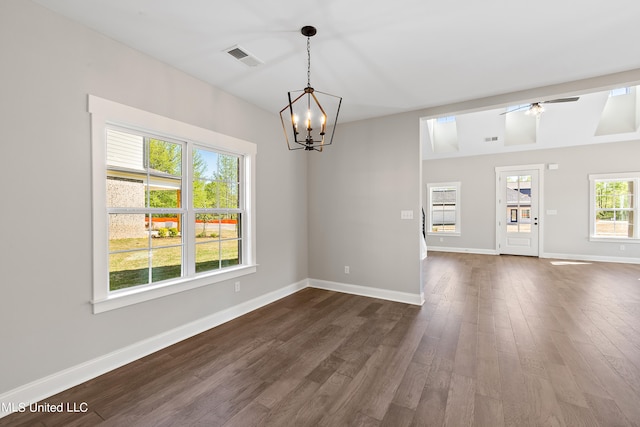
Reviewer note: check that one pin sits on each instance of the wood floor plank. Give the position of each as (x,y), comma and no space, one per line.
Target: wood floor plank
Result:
(311,412)
(465,358)
(386,383)
(431,408)
(251,415)
(607,412)
(545,410)
(580,369)
(287,409)
(565,386)
(488,412)
(426,350)
(617,388)
(348,405)
(578,416)
(488,372)
(515,403)
(459,410)
(410,389)
(433,401)
(397,416)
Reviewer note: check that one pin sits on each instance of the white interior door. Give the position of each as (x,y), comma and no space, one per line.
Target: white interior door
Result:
(517,204)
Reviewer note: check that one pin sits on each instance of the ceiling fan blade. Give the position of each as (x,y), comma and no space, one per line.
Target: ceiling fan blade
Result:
(523,107)
(553,101)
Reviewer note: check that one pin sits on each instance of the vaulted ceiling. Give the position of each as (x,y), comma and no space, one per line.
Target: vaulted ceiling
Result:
(382,57)
(598,117)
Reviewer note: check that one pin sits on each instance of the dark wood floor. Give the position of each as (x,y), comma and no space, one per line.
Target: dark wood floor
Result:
(501,340)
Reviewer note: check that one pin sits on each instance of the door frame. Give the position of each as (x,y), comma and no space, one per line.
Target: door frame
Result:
(500,215)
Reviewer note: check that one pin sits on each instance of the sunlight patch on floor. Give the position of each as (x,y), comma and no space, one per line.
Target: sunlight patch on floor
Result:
(568,263)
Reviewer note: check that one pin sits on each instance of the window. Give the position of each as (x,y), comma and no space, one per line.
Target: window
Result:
(444,208)
(172,206)
(620,91)
(614,206)
(446,119)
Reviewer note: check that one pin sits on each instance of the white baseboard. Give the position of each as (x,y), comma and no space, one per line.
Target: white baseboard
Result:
(366,291)
(572,257)
(594,258)
(63,380)
(463,250)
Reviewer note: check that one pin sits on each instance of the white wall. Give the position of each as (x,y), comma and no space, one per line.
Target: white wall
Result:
(359,185)
(49,65)
(566,190)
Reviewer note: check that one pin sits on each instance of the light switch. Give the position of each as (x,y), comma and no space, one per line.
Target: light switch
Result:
(406,214)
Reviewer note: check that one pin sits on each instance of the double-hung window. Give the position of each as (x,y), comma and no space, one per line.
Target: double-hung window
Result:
(444,208)
(172,205)
(614,206)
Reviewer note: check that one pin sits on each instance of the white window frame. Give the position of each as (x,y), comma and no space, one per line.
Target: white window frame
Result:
(105,113)
(430,188)
(626,176)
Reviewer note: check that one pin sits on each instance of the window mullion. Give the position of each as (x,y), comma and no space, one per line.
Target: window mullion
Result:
(189,237)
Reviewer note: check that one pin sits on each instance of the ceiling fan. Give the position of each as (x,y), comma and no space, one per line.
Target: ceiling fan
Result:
(536,108)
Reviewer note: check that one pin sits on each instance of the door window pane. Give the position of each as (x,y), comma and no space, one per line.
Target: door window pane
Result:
(518,203)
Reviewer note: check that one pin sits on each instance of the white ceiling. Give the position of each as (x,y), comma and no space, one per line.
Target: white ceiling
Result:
(382,57)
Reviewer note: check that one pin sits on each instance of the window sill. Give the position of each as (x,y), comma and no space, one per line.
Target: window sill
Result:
(443,234)
(614,239)
(140,294)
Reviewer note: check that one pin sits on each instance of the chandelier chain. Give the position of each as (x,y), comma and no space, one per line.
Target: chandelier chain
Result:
(308,62)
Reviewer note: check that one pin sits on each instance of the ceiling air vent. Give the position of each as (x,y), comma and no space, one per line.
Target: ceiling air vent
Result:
(491,139)
(242,55)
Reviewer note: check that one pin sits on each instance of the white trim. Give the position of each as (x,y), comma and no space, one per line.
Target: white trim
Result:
(70,377)
(140,294)
(594,258)
(109,113)
(572,257)
(624,240)
(463,250)
(631,176)
(429,225)
(613,176)
(366,291)
(499,215)
(519,167)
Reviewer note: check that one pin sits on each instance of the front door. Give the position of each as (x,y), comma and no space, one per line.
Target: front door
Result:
(517,204)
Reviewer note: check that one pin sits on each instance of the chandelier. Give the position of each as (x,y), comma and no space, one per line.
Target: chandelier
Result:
(309,119)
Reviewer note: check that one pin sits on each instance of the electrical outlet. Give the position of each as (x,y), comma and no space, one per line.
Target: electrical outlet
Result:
(346,269)
(237,286)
